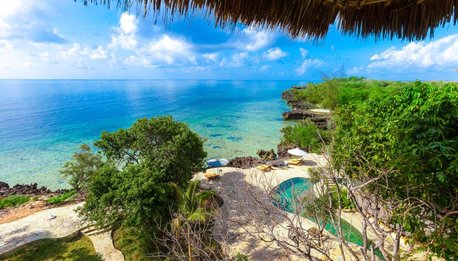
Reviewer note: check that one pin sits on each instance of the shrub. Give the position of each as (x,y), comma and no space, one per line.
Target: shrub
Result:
(241,257)
(13,200)
(61,198)
(306,135)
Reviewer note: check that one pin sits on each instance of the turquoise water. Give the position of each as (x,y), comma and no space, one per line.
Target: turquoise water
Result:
(287,196)
(43,122)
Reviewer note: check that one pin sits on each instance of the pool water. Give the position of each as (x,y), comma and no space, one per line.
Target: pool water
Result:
(288,197)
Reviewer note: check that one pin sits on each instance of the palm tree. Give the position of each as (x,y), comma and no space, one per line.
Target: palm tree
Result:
(191,207)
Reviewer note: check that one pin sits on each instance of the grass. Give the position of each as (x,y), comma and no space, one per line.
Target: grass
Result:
(61,198)
(129,245)
(78,248)
(14,200)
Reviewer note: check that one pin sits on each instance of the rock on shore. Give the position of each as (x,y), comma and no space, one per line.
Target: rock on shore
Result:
(321,119)
(244,162)
(267,155)
(294,103)
(24,189)
(302,110)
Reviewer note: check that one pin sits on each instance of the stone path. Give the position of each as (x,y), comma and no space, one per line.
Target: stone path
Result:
(103,244)
(65,223)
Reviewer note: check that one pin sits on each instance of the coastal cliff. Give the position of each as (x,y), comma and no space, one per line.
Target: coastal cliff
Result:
(302,110)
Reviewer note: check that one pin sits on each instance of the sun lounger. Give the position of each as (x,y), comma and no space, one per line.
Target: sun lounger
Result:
(264,168)
(211,176)
(294,161)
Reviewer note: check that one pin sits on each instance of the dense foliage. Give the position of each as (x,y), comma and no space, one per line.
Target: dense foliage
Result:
(192,225)
(61,198)
(337,92)
(13,200)
(133,187)
(411,133)
(306,135)
(83,166)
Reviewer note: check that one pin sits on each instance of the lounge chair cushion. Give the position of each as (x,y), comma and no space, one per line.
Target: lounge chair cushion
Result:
(211,176)
(264,167)
(294,161)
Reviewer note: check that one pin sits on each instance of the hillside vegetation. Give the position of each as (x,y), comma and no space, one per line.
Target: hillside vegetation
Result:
(404,136)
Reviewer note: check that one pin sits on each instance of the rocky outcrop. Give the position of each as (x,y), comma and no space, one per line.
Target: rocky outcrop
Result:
(295,103)
(244,162)
(319,118)
(25,189)
(267,155)
(302,110)
(4,189)
(282,150)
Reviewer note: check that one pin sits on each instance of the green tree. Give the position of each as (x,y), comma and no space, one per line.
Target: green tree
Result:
(81,168)
(414,136)
(132,188)
(192,207)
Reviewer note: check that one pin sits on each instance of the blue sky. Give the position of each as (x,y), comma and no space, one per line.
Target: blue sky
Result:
(65,39)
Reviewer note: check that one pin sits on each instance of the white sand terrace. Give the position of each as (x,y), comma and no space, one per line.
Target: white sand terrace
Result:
(248,213)
(65,223)
(39,226)
(243,221)
(321,110)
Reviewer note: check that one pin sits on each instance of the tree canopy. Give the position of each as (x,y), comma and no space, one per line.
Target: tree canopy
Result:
(81,168)
(413,135)
(133,187)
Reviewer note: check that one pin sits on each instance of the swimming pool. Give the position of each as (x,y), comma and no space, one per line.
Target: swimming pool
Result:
(288,197)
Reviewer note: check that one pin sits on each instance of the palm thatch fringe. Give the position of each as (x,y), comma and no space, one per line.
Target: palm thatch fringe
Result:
(405,19)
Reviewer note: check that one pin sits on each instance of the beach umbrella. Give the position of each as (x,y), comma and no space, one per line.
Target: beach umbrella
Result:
(215,163)
(297,152)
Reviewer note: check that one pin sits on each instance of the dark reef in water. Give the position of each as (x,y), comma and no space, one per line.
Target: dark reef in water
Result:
(216,135)
(232,138)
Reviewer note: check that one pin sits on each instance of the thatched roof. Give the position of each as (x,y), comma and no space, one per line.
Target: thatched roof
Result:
(405,19)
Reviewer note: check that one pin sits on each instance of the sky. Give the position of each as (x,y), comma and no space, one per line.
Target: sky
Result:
(63,39)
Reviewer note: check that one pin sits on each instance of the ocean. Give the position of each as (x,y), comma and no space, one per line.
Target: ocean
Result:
(42,122)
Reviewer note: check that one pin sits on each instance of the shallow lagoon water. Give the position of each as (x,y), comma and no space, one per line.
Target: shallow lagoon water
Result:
(42,122)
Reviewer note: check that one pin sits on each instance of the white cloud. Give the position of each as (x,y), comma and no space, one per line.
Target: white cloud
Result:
(168,49)
(307,64)
(22,19)
(138,61)
(236,60)
(264,68)
(210,56)
(274,54)
(79,52)
(441,53)
(357,70)
(125,35)
(303,52)
(98,54)
(128,23)
(254,40)
(162,50)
